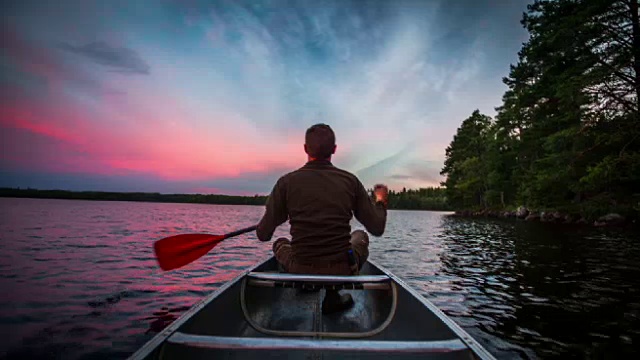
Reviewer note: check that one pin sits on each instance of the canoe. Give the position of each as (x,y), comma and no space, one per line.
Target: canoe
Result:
(263,314)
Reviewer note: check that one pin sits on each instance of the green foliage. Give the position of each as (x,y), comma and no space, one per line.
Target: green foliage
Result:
(567,135)
(465,164)
(431,198)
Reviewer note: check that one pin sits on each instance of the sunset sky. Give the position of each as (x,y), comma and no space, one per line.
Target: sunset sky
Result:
(215,96)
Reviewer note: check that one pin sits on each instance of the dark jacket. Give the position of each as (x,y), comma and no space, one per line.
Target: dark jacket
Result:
(319,200)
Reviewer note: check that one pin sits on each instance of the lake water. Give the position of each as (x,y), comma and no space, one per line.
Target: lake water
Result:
(78,279)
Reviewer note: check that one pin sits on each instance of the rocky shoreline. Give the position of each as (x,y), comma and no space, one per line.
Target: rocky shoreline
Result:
(522,213)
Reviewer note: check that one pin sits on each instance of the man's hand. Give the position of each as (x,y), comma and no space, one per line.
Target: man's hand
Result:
(381,193)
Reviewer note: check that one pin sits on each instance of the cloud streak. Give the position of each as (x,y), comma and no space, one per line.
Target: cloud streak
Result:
(120,59)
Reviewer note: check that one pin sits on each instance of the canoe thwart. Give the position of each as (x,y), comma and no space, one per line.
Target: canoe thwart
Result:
(317,286)
(324,279)
(269,344)
(315,282)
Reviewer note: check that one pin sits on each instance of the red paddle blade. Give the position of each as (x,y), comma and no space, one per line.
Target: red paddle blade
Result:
(179,250)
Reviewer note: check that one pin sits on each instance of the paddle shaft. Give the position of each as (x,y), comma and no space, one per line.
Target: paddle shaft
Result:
(240,232)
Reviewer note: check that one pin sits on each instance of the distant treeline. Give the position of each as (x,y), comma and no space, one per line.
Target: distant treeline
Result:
(567,135)
(134,196)
(422,199)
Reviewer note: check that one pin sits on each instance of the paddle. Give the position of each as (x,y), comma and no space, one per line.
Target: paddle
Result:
(179,250)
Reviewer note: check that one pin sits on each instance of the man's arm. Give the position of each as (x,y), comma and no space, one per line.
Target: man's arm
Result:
(275,214)
(373,215)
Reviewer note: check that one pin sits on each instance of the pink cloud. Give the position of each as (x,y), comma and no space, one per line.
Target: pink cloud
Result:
(22,118)
(151,140)
(173,151)
(147,131)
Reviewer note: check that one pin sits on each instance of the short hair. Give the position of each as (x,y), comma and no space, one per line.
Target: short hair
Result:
(320,141)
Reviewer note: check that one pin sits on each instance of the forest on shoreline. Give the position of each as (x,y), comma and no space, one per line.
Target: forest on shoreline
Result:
(421,199)
(566,139)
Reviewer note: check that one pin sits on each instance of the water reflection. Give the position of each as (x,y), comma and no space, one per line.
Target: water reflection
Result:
(163,318)
(563,291)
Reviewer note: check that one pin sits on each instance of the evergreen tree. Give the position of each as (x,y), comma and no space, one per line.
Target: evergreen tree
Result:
(465,165)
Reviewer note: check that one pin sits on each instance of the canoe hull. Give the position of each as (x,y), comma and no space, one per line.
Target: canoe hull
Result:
(240,321)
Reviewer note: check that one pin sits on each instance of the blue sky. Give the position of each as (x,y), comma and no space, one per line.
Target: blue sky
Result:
(214,96)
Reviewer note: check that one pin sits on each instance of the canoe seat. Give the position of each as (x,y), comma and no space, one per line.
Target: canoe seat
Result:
(353,346)
(305,316)
(315,282)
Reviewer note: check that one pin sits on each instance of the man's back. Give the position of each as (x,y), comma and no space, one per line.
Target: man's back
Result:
(320,199)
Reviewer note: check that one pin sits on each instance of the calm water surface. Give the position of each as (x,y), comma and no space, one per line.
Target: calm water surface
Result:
(78,279)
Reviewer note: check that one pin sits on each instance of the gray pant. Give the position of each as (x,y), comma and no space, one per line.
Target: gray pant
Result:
(359,244)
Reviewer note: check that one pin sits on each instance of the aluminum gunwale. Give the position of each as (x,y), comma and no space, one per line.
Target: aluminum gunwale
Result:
(157,340)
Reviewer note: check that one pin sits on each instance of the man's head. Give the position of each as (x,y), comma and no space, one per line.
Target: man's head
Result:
(320,142)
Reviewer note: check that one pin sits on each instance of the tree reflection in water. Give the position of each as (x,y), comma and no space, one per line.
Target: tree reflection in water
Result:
(550,291)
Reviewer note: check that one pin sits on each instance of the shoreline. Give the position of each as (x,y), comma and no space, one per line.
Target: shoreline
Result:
(611,219)
(184,202)
(202,199)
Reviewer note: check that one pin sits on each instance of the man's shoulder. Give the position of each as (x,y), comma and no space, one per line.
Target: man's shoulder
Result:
(345,172)
(333,169)
(287,176)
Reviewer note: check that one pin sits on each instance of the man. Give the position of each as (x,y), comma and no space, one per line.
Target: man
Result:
(319,200)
